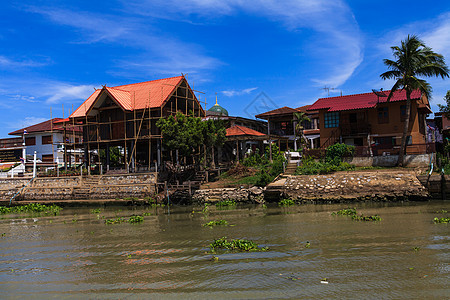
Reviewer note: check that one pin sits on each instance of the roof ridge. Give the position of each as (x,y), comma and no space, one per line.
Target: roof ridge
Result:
(181,76)
(115,88)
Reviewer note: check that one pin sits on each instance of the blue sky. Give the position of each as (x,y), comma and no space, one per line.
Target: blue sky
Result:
(54,53)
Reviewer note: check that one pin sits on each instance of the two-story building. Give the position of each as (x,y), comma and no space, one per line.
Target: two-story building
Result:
(282,122)
(372,124)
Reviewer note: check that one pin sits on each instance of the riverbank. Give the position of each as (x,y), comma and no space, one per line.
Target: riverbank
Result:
(349,186)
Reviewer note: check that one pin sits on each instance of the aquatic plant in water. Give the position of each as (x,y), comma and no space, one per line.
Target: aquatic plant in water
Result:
(226,203)
(216,223)
(115,221)
(286,202)
(31,208)
(345,212)
(95,211)
(441,220)
(136,219)
(235,245)
(366,218)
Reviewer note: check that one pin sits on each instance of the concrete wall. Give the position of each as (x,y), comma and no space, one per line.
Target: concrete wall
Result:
(412,161)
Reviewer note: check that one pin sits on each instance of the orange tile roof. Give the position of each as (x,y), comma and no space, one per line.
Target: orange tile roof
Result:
(135,96)
(242,130)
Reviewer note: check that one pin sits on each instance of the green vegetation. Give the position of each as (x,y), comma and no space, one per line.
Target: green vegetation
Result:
(331,163)
(366,218)
(216,223)
(115,221)
(235,245)
(345,212)
(442,211)
(226,203)
(441,220)
(286,202)
(135,219)
(95,211)
(187,134)
(31,208)
(266,170)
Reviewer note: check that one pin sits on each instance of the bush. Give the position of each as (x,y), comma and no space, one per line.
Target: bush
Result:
(336,152)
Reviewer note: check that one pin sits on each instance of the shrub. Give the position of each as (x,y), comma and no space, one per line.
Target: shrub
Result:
(286,202)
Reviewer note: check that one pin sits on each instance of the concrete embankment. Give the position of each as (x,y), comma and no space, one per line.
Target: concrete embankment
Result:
(77,189)
(349,186)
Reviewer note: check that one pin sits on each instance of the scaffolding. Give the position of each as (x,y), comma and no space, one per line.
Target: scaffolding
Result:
(106,124)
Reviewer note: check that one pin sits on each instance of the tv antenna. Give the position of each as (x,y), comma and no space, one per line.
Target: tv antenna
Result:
(327,88)
(379,94)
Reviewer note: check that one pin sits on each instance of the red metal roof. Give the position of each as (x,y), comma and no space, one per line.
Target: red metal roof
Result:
(279,111)
(41,127)
(359,101)
(242,130)
(135,96)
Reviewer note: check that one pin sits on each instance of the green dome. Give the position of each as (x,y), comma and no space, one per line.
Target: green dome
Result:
(218,110)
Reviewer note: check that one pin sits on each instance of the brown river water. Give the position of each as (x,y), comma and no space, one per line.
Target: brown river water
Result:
(76,255)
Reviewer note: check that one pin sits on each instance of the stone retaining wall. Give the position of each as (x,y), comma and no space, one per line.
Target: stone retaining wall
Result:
(251,195)
(66,188)
(374,186)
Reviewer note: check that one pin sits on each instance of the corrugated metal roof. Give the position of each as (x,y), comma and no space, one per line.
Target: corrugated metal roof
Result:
(359,101)
(237,130)
(135,96)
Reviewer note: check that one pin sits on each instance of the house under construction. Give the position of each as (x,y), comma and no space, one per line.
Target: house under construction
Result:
(125,116)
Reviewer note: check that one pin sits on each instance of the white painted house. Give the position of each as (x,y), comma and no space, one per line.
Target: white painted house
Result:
(47,139)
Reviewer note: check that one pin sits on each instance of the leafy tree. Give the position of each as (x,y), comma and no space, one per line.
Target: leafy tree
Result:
(413,59)
(214,135)
(445,109)
(181,134)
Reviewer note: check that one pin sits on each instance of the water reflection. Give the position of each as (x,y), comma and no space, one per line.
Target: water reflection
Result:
(404,255)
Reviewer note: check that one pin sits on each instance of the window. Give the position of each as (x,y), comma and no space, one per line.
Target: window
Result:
(402,113)
(30,141)
(352,118)
(46,139)
(331,119)
(383,115)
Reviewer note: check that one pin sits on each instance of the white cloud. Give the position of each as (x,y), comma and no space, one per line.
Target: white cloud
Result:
(6,62)
(336,43)
(15,90)
(232,93)
(135,33)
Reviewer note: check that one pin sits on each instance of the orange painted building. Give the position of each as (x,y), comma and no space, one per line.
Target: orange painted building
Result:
(372,124)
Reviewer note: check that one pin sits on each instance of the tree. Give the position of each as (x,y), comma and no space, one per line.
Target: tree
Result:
(214,135)
(181,134)
(445,109)
(300,118)
(413,59)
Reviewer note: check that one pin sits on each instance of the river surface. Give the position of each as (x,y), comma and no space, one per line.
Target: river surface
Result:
(77,255)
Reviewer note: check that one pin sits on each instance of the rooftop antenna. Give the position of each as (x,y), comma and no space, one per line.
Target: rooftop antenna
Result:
(379,94)
(327,88)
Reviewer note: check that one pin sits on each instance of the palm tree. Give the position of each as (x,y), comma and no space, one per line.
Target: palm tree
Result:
(300,118)
(413,59)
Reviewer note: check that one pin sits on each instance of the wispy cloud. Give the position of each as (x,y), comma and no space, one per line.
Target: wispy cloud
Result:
(7,63)
(135,33)
(16,90)
(233,93)
(337,40)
